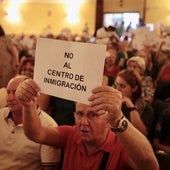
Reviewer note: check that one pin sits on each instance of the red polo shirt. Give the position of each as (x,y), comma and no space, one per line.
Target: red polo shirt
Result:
(75,157)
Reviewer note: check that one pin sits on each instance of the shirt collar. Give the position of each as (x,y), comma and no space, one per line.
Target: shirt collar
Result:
(106,146)
(9,116)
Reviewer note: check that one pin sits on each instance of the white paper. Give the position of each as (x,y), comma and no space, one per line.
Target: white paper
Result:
(68,70)
(143,36)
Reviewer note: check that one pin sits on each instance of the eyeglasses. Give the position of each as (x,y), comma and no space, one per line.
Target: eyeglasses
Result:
(90,116)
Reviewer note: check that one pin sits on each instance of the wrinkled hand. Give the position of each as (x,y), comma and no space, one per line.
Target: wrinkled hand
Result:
(27,92)
(108,99)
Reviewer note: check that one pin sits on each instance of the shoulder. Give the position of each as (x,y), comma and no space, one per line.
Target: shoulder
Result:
(66,129)
(113,142)
(3,95)
(147,79)
(68,135)
(140,103)
(121,155)
(166,113)
(4,112)
(143,105)
(46,119)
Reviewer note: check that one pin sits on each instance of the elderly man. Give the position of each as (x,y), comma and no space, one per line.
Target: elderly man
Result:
(91,143)
(17,151)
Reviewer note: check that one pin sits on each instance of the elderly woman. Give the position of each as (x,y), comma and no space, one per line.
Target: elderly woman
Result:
(27,68)
(138,65)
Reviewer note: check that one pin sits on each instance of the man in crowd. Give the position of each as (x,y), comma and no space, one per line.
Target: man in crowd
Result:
(17,151)
(91,143)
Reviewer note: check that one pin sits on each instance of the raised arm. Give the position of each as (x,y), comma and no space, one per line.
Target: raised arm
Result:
(135,143)
(27,94)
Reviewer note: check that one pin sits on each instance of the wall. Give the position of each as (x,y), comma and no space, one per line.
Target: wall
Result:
(35,17)
(127,5)
(158,12)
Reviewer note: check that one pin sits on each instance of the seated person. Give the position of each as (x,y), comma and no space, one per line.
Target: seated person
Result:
(161,139)
(3,95)
(110,68)
(91,144)
(162,91)
(162,83)
(138,64)
(26,68)
(17,151)
(135,108)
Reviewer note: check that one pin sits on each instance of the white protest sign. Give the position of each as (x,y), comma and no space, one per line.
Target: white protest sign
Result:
(143,36)
(68,70)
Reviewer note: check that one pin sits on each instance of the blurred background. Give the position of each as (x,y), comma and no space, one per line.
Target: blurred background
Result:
(52,16)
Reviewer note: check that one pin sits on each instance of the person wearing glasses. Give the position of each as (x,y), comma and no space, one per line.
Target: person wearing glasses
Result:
(102,137)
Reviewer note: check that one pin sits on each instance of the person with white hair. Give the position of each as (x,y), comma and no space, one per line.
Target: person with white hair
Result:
(138,64)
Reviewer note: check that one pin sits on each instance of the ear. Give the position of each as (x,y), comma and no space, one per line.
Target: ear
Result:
(74,113)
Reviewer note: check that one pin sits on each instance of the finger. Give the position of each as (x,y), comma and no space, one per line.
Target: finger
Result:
(102,89)
(27,87)
(101,95)
(32,85)
(105,97)
(25,93)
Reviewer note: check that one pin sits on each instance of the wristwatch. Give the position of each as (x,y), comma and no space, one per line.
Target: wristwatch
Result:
(122,125)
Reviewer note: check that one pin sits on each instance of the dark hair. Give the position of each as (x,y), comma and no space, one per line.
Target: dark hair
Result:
(2,33)
(25,61)
(130,77)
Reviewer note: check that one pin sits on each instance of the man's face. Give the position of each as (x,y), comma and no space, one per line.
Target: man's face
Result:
(12,102)
(91,126)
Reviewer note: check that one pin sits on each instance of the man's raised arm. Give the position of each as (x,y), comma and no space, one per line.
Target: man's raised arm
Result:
(27,94)
(135,143)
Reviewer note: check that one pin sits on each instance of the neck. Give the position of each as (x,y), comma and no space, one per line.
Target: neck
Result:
(17,117)
(93,146)
(90,148)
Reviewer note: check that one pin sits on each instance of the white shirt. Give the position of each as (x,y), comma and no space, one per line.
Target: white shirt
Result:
(17,152)
(3,95)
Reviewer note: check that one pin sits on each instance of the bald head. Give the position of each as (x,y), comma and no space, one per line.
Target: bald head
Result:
(12,102)
(15,81)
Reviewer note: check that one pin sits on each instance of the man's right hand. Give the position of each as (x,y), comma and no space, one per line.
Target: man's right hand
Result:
(27,92)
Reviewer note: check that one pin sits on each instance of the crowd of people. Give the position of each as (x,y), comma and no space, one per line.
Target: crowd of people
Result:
(135,91)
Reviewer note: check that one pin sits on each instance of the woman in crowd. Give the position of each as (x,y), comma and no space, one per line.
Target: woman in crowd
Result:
(137,110)
(27,68)
(161,137)
(110,68)
(138,65)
